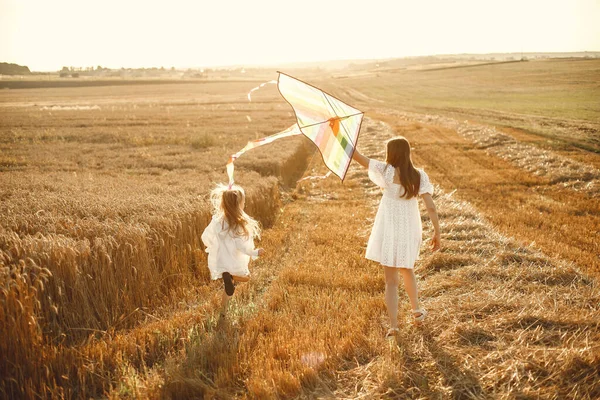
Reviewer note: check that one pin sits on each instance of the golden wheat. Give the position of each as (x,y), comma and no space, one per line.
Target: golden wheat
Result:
(102,216)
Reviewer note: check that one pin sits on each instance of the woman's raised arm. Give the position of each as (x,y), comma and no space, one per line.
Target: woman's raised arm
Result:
(359,158)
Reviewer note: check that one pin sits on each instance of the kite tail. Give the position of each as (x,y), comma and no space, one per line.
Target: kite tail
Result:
(258,87)
(310,178)
(291,131)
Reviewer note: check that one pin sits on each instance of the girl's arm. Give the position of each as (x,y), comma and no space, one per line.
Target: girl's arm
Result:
(431,210)
(208,236)
(359,158)
(246,246)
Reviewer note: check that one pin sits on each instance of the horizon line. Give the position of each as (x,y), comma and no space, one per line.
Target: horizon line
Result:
(291,63)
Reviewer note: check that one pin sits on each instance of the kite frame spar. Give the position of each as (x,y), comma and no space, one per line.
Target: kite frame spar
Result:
(323,122)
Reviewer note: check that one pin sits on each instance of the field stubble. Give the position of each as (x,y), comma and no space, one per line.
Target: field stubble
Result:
(560,216)
(505,320)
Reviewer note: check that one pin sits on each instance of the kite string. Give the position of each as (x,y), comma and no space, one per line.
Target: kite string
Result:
(312,177)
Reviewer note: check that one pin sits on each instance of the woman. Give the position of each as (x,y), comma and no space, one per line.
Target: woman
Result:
(397,233)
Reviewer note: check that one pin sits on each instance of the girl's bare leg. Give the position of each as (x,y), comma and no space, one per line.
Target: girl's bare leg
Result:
(410,285)
(391,295)
(224,303)
(240,278)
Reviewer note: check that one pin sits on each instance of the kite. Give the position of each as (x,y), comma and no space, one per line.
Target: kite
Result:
(332,125)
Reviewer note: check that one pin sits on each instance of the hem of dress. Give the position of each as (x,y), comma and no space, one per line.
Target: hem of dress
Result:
(219,273)
(390,266)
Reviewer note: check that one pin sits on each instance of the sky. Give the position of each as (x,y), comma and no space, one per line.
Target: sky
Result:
(48,34)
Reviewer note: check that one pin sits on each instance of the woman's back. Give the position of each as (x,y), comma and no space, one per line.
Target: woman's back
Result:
(386,177)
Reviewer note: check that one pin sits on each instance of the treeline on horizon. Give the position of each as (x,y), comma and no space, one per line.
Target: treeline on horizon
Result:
(75,72)
(14,69)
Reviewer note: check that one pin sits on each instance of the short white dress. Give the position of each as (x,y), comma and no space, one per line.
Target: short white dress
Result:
(227,252)
(397,233)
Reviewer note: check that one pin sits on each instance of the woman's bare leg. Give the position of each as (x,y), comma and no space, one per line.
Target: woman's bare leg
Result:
(391,294)
(410,285)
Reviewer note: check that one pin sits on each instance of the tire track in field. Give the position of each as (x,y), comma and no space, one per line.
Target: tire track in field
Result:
(556,168)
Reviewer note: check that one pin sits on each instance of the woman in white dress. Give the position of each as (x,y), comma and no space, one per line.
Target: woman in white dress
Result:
(397,233)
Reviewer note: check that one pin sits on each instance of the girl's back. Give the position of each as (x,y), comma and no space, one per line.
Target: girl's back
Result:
(227,251)
(229,238)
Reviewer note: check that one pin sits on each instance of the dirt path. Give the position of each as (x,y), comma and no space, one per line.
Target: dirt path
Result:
(505,320)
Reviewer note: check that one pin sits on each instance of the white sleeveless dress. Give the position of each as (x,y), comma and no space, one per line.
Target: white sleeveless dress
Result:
(396,236)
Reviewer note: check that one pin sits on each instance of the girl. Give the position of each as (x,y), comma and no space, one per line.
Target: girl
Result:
(229,239)
(397,233)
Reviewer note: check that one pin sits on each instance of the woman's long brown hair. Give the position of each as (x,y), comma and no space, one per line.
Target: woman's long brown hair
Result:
(398,156)
(227,204)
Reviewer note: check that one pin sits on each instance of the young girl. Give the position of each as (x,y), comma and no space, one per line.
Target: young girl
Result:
(397,233)
(229,239)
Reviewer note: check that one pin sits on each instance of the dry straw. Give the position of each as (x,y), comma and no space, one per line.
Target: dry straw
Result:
(557,168)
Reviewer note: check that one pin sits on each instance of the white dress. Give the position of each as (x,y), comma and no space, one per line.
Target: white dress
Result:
(397,232)
(227,252)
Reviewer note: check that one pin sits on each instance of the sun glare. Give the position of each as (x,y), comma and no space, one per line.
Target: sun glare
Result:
(47,35)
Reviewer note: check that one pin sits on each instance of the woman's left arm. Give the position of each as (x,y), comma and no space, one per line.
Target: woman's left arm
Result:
(431,210)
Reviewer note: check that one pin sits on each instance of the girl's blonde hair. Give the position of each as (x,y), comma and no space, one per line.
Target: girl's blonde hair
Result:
(398,156)
(227,204)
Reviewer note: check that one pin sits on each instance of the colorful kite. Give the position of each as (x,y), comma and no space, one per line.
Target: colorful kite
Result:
(331,124)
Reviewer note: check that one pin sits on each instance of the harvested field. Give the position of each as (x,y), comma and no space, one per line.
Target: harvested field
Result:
(312,325)
(551,189)
(105,290)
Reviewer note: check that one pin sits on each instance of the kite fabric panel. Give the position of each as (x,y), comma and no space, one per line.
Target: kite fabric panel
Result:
(333,126)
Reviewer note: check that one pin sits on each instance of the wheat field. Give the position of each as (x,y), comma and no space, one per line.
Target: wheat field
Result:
(105,289)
